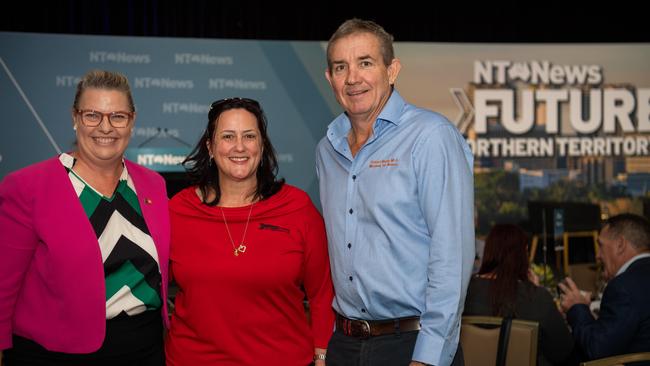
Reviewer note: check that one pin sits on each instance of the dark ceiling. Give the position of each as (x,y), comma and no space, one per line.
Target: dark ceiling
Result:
(451,21)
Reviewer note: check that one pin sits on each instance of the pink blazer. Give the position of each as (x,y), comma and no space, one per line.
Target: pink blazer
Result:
(52,287)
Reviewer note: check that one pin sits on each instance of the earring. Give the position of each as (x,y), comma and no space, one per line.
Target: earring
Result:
(74,127)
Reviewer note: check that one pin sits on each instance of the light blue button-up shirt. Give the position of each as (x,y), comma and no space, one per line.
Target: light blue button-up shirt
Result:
(400,225)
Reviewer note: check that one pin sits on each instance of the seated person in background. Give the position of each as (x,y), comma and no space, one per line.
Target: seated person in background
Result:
(623,324)
(505,286)
(478,258)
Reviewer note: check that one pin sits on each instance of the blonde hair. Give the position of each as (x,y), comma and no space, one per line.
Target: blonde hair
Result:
(102,79)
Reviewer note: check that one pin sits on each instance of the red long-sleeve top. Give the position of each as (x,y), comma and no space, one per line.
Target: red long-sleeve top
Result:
(248,309)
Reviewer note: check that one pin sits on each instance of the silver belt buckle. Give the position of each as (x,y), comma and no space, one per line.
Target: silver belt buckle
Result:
(365,328)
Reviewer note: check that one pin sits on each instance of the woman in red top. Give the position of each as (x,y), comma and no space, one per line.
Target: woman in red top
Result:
(246,251)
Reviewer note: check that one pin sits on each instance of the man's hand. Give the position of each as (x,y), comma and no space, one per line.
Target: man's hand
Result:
(571,295)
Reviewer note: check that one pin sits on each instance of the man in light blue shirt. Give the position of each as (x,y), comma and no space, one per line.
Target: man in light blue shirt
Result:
(397,192)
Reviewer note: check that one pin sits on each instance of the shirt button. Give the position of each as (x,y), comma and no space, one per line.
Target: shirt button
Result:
(363,310)
(354,177)
(349,245)
(351,211)
(350,278)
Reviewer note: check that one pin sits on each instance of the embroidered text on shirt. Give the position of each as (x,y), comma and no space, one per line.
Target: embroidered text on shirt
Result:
(264,226)
(383,163)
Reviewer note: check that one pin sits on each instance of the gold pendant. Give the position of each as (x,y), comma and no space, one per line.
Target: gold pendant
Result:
(236,253)
(241,248)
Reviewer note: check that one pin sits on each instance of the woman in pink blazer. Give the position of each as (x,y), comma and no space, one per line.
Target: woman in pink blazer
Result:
(84,245)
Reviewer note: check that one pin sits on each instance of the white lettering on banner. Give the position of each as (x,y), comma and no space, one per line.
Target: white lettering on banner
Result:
(552,98)
(610,109)
(220,83)
(512,147)
(119,57)
(202,59)
(536,73)
(155,131)
(179,107)
(285,158)
(67,80)
(592,123)
(162,83)
(618,104)
(643,110)
(526,147)
(160,159)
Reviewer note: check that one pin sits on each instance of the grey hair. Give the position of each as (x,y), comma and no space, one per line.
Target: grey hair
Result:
(354,26)
(634,228)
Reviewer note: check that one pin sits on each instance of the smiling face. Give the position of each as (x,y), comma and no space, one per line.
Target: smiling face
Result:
(359,77)
(236,146)
(102,145)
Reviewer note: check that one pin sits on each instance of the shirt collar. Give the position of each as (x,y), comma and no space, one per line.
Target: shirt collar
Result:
(68,161)
(391,113)
(627,264)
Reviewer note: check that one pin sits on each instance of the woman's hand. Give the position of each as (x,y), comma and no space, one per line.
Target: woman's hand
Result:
(319,351)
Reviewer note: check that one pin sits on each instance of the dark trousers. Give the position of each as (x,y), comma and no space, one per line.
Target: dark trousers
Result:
(129,341)
(386,350)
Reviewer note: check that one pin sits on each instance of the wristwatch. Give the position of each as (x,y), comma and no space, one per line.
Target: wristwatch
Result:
(319,356)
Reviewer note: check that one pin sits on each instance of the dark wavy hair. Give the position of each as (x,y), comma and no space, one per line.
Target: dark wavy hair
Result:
(205,174)
(506,257)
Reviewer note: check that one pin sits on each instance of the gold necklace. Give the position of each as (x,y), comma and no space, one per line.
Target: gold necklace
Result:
(242,247)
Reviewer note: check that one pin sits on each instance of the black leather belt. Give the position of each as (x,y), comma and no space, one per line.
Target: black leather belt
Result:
(372,328)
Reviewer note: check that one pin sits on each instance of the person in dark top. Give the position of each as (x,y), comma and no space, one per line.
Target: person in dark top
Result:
(623,324)
(505,286)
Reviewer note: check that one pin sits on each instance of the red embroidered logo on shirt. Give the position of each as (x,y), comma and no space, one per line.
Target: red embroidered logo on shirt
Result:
(383,163)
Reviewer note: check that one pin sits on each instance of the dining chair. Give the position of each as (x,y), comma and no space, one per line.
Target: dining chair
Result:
(618,359)
(486,339)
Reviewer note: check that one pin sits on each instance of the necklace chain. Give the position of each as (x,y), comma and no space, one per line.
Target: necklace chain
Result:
(242,247)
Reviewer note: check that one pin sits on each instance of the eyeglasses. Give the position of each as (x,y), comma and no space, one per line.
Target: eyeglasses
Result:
(235,100)
(93,118)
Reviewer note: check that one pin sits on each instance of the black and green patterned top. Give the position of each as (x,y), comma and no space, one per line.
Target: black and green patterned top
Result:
(131,267)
